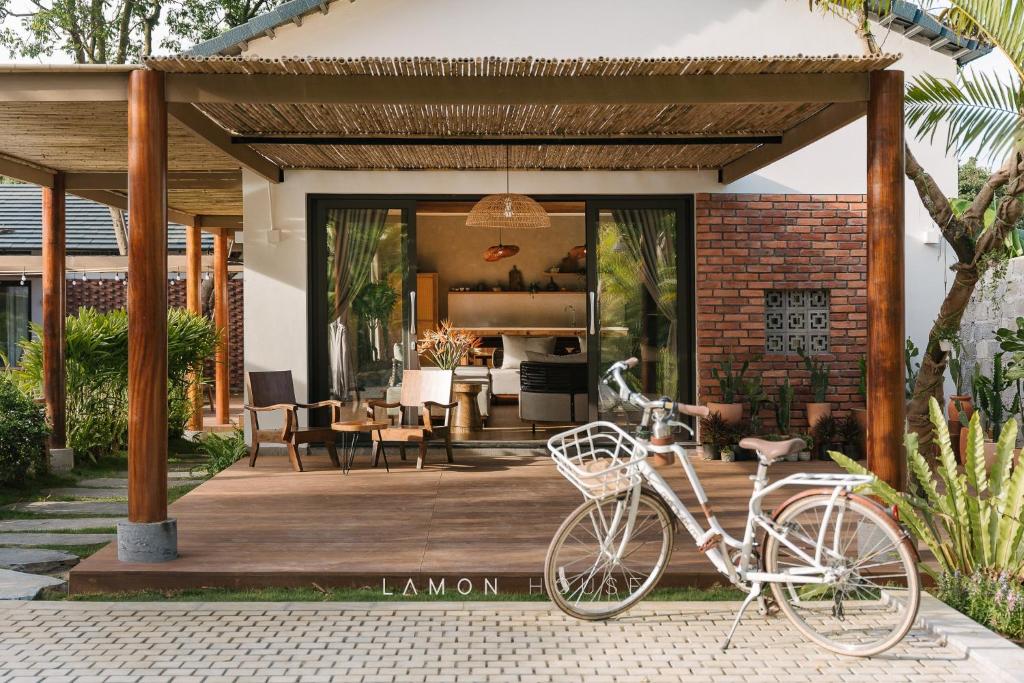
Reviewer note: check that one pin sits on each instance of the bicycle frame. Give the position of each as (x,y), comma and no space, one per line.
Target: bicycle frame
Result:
(715,542)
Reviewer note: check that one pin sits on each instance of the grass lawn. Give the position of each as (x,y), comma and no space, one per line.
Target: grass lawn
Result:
(312,594)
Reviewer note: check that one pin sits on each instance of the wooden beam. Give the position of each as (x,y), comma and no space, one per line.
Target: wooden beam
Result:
(54,309)
(330,89)
(25,172)
(176,180)
(193,302)
(494,141)
(200,124)
(120,201)
(825,122)
(221,313)
(72,87)
(147,299)
(886,298)
(217,224)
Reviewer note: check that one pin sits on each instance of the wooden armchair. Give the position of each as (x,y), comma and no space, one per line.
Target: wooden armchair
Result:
(422,390)
(275,391)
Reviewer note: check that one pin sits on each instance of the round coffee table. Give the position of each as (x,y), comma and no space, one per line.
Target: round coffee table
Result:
(467,413)
(355,428)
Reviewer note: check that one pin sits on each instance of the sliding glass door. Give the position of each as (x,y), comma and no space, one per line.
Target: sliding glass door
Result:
(362,286)
(640,298)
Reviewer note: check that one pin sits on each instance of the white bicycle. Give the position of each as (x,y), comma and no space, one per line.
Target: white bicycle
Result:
(839,566)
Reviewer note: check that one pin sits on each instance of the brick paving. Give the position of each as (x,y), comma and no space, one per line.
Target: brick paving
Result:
(431,642)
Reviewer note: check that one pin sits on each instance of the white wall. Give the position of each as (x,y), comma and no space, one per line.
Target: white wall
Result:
(276,273)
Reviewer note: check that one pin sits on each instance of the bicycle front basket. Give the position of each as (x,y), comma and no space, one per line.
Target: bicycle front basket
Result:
(599,459)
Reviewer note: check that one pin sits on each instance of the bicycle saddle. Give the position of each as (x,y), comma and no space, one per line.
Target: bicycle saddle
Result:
(773,451)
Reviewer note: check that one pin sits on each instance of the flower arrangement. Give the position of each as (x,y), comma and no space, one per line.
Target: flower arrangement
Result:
(446,346)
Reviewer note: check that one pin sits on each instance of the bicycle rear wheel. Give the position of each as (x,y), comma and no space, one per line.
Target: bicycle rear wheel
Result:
(590,573)
(872,601)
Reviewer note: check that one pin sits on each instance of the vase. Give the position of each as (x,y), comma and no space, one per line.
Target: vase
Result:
(816,411)
(965,404)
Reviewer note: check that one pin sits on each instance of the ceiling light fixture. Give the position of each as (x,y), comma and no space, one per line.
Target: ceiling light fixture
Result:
(506,211)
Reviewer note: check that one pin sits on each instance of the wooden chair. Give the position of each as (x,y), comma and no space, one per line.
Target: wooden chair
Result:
(274,391)
(422,390)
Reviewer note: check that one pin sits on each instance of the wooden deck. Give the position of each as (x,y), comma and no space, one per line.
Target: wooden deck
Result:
(490,516)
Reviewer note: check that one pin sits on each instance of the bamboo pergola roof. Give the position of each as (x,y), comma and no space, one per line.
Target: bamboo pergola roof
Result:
(731,114)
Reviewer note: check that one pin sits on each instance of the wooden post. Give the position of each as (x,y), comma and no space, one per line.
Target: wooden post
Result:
(193,275)
(54,305)
(220,317)
(147,298)
(886,400)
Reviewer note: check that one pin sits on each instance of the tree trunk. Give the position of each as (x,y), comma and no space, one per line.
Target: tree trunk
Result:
(931,377)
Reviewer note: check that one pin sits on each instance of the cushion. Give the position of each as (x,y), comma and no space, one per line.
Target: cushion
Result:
(554,358)
(515,348)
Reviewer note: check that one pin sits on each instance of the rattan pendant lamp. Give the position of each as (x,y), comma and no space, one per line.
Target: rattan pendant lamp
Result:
(506,211)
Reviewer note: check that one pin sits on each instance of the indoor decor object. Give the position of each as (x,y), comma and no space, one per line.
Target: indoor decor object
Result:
(821,573)
(819,375)
(553,390)
(446,346)
(730,383)
(506,211)
(274,391)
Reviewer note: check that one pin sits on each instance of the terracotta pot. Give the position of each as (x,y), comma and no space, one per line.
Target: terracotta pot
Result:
(990,453)
(730,412)
(861,416)
(965,404)
(816,411)
(963,443)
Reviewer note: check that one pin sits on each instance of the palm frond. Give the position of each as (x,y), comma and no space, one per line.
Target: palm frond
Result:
(998,22)
(984,109)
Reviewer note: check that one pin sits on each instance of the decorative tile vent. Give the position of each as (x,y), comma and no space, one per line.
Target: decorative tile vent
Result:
(796,320)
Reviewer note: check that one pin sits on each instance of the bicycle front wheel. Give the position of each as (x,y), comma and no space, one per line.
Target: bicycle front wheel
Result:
(870,599)
(593,570)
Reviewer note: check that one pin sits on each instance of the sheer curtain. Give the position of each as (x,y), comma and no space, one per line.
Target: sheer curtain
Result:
(649,236)
(353,236)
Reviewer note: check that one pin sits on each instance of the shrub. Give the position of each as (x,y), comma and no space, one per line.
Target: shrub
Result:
(96,361)
(222,451)
(991,599)
(971,521)
(23,433)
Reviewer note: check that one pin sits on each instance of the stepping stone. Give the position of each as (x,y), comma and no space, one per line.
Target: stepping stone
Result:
(45,524)
(36,560)
(56,507)
(21,586)
(32,539)
(82,492)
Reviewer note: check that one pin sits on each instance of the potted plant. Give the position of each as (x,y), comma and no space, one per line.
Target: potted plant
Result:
(446,346)
(960,401)
(851,435)
(805,454)
(727,454)
(819,407)
(757,398)
(826,435)
(731,384)
(861,414)
(913,366)
(715,435)
(784,408)
(988,395)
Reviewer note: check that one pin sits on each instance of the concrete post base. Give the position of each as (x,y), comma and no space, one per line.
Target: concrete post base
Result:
(147,542)
(61,459)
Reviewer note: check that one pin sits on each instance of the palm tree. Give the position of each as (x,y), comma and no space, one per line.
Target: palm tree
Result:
(978,109)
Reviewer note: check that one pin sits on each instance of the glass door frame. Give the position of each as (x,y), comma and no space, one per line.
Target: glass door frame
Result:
(317,206)
(686,287)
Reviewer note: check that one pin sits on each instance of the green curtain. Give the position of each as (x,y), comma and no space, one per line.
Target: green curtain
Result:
(354,237)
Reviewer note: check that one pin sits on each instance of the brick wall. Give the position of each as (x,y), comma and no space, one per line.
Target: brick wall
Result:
(106,295)
(747,243)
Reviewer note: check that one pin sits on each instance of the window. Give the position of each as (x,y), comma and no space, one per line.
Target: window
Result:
(796,320)
(14,319)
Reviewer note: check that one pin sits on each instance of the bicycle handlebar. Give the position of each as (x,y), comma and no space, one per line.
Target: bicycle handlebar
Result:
(614,373)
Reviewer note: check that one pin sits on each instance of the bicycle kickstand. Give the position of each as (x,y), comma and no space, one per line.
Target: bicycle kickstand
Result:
(755,592)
